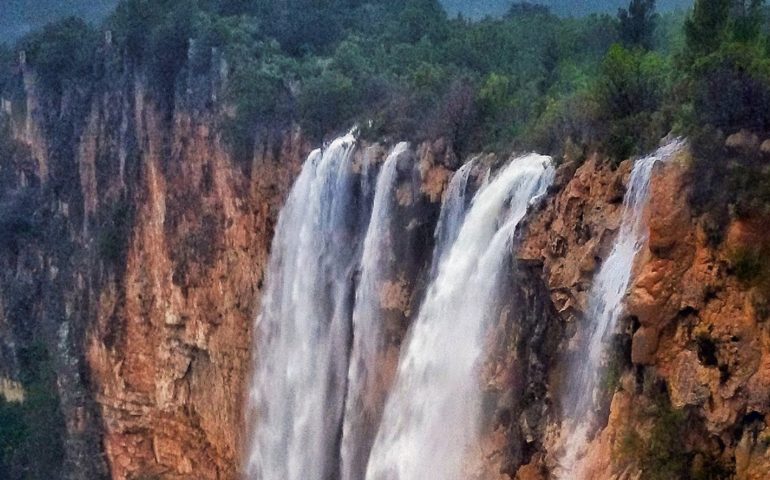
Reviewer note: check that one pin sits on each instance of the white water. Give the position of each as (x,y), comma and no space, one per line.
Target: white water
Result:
(605,306)
(453,210)
(298,389)
(432,414)
(361,420)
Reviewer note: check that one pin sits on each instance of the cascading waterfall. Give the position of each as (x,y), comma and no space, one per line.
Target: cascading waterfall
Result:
(452,214)
(432,413)
(605,306)
(299,384)
(362,418)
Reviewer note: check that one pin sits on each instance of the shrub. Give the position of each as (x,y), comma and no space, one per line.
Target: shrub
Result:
(661,454)
(31,432)
(731,88)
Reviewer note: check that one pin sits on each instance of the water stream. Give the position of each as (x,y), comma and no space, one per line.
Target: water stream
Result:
(605,307)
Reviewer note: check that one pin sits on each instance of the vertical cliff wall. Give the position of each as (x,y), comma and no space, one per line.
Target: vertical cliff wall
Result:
(135,247)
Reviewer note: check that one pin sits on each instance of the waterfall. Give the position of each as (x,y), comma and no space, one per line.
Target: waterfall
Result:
(452,214)
(302,334)
(605,306)
(431,416)
(362,413)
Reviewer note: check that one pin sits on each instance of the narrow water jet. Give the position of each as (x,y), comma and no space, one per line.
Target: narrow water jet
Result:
(302,334)
(605,307)
(366,387)
(453,210)
(432,414)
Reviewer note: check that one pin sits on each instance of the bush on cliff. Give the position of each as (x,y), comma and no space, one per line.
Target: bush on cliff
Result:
(725,89)
(31,431)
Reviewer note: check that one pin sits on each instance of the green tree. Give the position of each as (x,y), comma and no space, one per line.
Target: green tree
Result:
(630,90)
(748,16)
(61,53)
(637,24)
(327,102)
(706,26)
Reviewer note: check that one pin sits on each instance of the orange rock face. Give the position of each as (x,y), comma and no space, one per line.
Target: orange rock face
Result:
(691,323)
(170,347)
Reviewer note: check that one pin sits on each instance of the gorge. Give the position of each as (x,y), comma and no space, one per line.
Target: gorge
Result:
(202,276)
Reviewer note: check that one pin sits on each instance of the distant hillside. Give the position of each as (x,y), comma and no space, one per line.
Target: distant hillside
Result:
(21,16)
(566,8)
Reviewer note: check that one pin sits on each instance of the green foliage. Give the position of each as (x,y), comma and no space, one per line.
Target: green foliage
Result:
(637,24)
(13,432)
(327,101)
(725,88)
(405,69)
(31,431)
(705,27)
(751,265)
(664,456)
(62,53)
(630,90)
(748,263)
(730,88)
(661,454)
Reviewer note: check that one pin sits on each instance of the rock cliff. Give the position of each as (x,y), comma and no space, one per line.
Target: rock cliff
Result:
(686,389)
(134,247)
(136,251)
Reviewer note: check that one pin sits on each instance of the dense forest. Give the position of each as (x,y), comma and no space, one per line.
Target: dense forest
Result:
(565,8)
(21,16)
(405,69)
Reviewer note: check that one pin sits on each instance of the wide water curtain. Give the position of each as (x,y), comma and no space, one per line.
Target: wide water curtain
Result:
(431,417)
(605,306)
(299,384)
(325,360)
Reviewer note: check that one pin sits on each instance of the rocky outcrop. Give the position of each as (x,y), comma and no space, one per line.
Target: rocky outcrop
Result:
(692,348)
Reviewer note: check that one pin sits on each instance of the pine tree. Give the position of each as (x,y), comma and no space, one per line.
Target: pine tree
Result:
(706,26)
